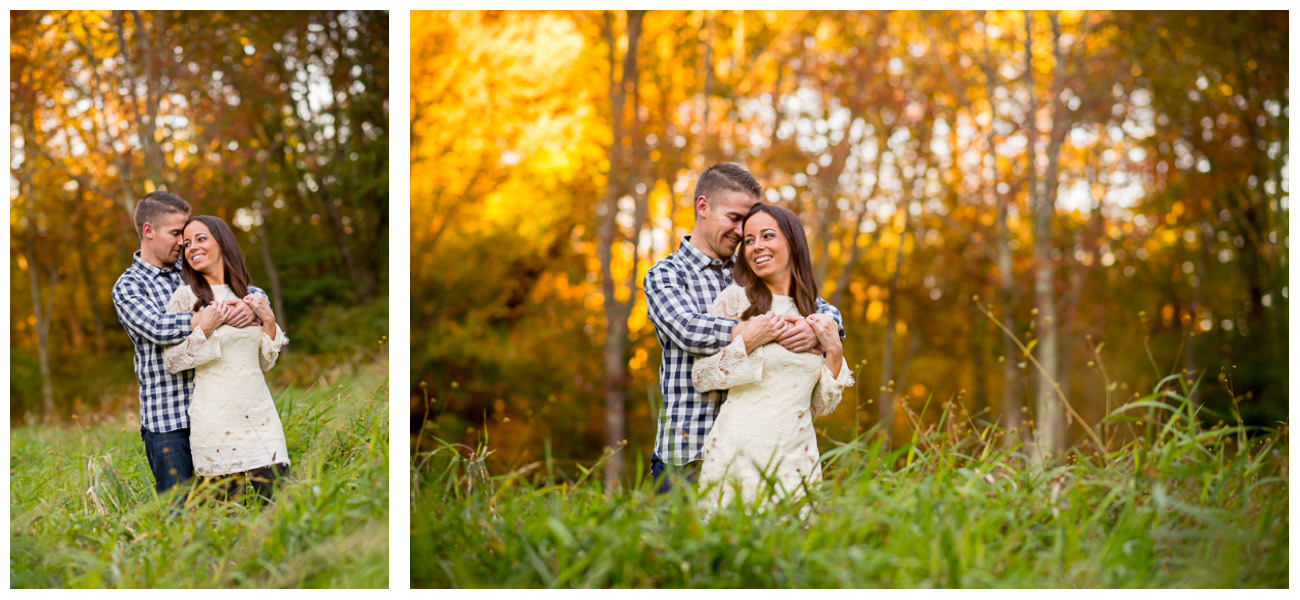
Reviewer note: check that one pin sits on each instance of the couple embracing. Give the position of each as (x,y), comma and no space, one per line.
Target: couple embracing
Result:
(750,352)
(203,335)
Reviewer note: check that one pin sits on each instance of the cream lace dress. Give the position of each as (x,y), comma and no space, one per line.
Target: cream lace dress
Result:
(233,423)
(764,429)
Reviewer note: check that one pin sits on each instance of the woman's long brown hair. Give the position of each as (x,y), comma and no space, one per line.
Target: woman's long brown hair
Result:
(232,259)
(803,288)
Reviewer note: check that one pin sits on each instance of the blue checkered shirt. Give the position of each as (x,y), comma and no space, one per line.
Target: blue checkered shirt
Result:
(679,290)
(140,296)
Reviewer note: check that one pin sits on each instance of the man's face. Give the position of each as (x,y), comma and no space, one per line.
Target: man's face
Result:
(163,239)
(718,223)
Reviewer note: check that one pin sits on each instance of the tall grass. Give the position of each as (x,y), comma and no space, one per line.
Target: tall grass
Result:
(83,512)
(1178,505)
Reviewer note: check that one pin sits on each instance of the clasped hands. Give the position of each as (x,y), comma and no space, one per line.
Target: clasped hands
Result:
(816,333)
(252,309)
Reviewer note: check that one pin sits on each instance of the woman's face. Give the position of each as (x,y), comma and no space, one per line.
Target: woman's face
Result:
(766,248)
(201,249)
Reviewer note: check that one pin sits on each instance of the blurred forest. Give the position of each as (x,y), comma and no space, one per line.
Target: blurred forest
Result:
(276,122)
(1111,186)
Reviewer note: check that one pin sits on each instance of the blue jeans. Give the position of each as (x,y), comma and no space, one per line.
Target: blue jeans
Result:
(169,457)
(666,476)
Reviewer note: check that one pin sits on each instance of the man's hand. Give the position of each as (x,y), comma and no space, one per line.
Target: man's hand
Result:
(241,314)
(799,337)
(210,317)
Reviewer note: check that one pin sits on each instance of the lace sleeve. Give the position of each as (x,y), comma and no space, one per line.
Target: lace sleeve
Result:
(732,366)
(182,300)
(197,348)
(727,369)
(828,391)
(270,349)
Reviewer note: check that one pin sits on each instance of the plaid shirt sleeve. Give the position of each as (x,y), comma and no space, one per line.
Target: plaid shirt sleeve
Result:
(672,308)
(140,297)
(145,315)
(825,308)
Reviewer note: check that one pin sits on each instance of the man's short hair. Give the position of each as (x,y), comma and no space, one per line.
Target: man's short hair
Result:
(726,176)
(150,208)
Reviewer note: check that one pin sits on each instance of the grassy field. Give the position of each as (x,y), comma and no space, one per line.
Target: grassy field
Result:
(1179,505)
(83,512)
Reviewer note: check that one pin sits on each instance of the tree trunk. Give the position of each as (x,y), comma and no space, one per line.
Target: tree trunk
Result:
(88,279)
(41,311)
(1049,415)
(980,360)
(146,124)
(855,253)
(887,383)
(124,171)
(1189,344)
(1012,415)
(264,244)
(619,182)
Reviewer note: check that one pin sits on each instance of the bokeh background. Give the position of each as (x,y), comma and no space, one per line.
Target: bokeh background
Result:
(276,122)
(1110,186)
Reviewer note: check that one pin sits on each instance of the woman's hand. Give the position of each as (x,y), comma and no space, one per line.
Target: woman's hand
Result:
(210,317)
(262,309)
(762,329)
(828,333)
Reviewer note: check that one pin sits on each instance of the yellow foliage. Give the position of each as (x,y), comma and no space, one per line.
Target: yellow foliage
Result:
(638,359)
(874,310)
(638,320)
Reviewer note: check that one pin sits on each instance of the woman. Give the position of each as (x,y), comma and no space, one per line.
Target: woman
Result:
(762,443)
(234,428)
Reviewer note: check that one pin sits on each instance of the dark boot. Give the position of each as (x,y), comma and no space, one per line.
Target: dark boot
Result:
(266,479)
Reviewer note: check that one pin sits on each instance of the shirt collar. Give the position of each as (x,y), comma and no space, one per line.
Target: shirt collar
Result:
(698,260)
(151,270)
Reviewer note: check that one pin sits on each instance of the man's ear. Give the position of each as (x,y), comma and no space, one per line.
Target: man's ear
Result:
(146,230)
(701,204)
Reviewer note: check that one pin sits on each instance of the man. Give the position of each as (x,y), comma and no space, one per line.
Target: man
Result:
(140,296)
(679,291)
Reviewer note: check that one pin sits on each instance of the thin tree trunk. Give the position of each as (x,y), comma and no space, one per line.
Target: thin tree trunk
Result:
(1012,414)
(146,124)
(1189,343)
(913,344)
(828,188)
(980,359)
(887,383)
(706,66)
(42,314)
(88,278)
(1051,414)
(842,281)
(264,243)
(619,182)
(124,171)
